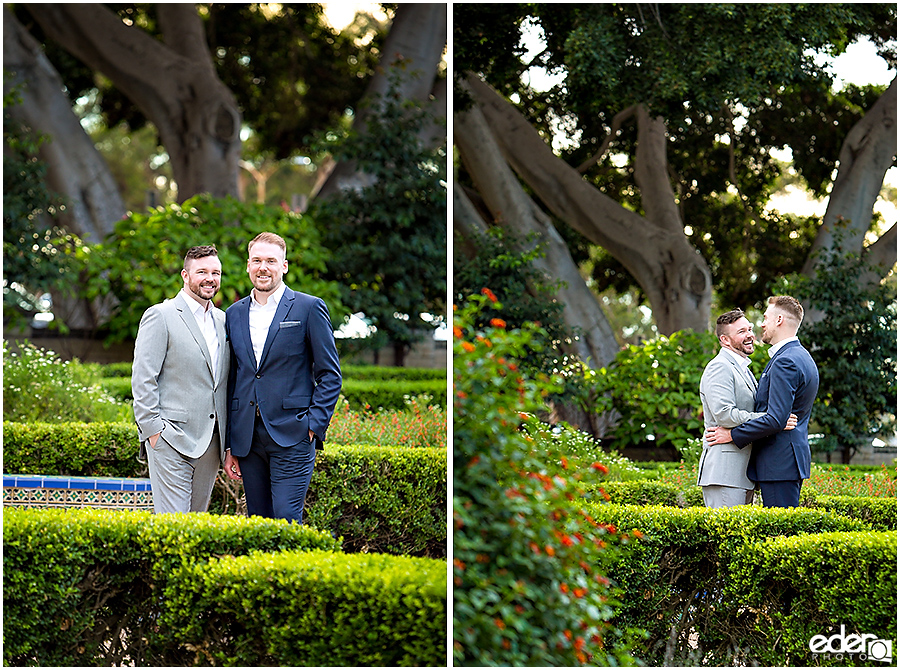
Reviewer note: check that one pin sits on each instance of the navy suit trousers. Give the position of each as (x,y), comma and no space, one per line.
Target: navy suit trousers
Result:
(276,478)
(781,494)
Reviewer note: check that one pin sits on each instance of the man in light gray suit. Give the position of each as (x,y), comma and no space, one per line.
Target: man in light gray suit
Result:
(728,393)
(180,384)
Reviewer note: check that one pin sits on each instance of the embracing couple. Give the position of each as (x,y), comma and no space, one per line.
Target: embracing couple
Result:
(757,433)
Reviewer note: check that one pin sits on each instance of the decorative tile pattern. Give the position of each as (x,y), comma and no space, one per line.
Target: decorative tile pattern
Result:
(92,492)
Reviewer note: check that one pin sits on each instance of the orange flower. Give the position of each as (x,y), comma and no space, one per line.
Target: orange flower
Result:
(499,623)
(550,550)
(457,331)
(489,293)
(602,468)
(498,323)
(468,346)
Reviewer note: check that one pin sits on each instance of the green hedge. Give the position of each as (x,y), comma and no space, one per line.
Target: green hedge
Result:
(382,499)
(879,513)
(675,578)
(391,499)
(314,609)
(383,372)
(813,585)
(82,587)
(389,394)
(75,449)
(361,394)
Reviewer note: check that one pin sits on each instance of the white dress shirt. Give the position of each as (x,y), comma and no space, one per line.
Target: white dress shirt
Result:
(261,319)
(775,347)
(207,326)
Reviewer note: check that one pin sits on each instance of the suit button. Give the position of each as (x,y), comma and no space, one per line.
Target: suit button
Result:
(258,376)
(251,403)
(212,416)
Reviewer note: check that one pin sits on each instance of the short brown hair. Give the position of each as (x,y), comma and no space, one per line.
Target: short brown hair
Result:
(200,252)
(790,306)
(727,319)
(271,238)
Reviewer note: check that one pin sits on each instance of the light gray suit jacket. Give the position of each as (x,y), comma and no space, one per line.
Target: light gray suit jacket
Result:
(728,397)
(176,392)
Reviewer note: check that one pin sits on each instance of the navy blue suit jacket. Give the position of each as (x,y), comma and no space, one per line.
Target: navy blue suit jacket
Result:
(788,385)
(298,381)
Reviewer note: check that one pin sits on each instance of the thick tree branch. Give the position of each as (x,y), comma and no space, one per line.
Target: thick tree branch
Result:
(514,210)
(869,150)
(654,249)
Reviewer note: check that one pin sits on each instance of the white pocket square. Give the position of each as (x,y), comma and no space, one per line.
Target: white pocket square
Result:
(289,324)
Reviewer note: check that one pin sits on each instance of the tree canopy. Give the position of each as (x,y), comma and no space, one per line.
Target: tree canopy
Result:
(706,92)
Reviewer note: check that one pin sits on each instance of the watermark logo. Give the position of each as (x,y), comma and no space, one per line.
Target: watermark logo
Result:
(843,646)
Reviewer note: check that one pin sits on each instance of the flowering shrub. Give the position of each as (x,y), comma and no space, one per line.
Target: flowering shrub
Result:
(529,566)
(421,424)
(38,386)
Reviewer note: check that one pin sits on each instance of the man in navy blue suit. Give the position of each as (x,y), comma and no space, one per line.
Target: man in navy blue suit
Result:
(779,460)
(283,385)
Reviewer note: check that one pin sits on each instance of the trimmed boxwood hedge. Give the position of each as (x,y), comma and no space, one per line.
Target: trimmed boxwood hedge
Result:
(391,394)
(83,587)
(379,498)
(310,608)
(675,578)
(810,585)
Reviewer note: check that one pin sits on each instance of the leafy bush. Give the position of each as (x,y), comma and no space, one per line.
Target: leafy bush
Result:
(140,263)
(675,579)
(38,386)
(655,388)
(419,424)
(844,480)
(854,345)
(381,611)
(804,587)
(83,587)
(529,567)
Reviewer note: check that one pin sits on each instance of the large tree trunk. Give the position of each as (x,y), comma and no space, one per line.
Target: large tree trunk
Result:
(172,82)
(511,208)
(76,170)
(653,248)
(409,61)
(868,152)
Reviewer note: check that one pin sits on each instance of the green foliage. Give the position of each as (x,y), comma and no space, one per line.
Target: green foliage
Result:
(38,386)
(678,581)
(382,611)
(392,394)
(805,586)
(141,262)
(83,587)
(382,498)
(388,240)
(37,253)
(854,346)
(529,567)
(655,388)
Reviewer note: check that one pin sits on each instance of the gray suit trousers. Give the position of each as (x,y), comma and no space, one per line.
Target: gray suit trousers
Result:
(726,496)
(180,483)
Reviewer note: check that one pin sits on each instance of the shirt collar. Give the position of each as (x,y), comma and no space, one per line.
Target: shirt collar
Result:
(775,347)
(742,360)
(196,308)
(276,297)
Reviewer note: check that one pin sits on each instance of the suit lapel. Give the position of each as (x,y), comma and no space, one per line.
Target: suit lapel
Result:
(283,308)
(743,373)
(188,317)
(241,332)
(219,319)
